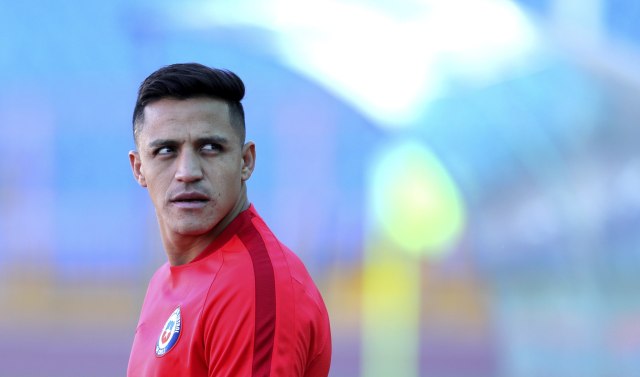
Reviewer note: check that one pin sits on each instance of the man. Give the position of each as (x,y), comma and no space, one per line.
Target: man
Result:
(231,300)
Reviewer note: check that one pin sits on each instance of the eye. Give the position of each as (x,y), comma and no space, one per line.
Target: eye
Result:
(211,147)
(163,151)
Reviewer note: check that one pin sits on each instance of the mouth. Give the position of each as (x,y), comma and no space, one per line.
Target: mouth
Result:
(190,200)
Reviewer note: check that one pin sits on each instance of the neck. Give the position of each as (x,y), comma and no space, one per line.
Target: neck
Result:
(182,249)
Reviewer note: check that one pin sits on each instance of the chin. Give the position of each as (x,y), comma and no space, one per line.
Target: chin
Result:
(192,230)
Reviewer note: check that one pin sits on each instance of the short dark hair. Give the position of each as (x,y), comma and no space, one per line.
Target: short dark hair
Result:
(189,80)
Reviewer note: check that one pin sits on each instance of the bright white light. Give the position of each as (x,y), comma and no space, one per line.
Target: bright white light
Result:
(375,62)
(387,64)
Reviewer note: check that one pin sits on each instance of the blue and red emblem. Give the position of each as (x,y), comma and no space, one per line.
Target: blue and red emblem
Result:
(170,333)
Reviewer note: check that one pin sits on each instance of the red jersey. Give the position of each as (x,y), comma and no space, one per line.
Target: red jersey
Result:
(246,306)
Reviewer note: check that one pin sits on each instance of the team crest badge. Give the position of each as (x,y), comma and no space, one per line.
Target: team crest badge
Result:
(170,333)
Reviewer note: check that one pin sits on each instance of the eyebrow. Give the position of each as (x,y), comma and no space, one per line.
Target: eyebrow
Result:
(212,140)
(200,141)
(161,143)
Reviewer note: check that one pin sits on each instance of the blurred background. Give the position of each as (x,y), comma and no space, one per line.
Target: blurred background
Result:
(461,177)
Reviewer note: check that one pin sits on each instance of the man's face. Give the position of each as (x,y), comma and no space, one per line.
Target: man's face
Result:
(191,161)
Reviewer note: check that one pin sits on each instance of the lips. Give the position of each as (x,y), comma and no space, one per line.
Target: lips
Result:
(189,197)
(192,199)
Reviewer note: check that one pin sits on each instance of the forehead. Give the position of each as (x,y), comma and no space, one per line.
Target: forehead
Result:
(170,118)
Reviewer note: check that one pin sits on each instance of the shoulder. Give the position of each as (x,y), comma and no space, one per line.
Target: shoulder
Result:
(303,283)
(288,267)
(233,280)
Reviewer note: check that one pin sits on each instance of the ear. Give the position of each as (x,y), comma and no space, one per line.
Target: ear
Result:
(136,168)
(248,160)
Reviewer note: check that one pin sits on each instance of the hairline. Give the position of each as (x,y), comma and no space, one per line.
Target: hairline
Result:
(239,129)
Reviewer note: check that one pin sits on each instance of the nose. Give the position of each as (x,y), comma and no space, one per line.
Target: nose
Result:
(188,168)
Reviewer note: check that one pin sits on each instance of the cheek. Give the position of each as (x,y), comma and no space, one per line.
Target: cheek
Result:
(157,184)
(229,184)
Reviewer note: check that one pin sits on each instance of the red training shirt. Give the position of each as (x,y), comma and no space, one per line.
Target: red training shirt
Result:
(246,306)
